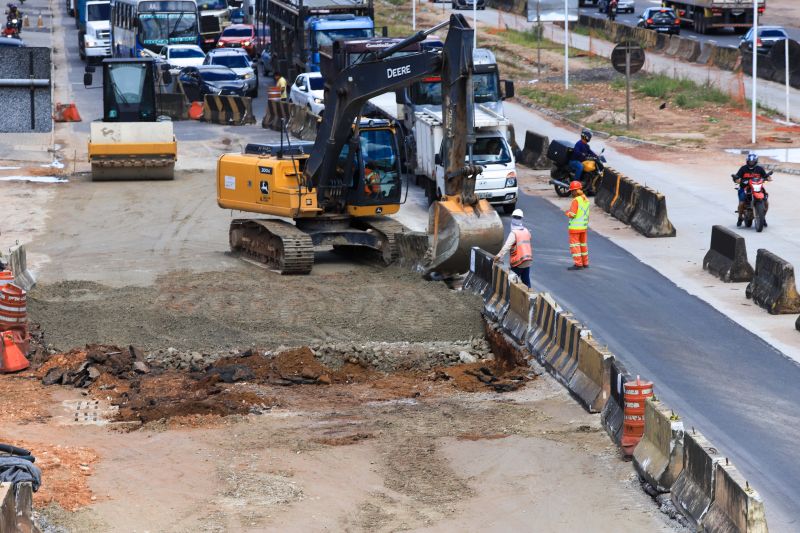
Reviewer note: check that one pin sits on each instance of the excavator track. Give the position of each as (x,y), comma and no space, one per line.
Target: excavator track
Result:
(275,243)
(389,229)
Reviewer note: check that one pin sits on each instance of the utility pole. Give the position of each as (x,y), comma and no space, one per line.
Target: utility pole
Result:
(566,44)
(755,67)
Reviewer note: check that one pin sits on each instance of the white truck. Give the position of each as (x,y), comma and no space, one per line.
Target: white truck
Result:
(94,29)
(498,181)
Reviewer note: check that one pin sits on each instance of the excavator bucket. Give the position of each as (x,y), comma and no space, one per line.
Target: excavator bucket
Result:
(454,228)
(132,150)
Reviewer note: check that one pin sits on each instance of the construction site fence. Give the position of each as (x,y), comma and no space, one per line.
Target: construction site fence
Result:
(704,486)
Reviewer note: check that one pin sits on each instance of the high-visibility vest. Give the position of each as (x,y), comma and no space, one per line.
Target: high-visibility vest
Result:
(521,251)
(580,221)
(372,181)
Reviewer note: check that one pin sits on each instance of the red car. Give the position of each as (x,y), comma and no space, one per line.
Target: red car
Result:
(239,36)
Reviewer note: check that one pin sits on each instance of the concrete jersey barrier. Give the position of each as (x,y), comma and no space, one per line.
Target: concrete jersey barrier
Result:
(479,277)
(517,320)
(736,507)
(613,413)
(773,285)
(534,153)
(497,305)
(18,263)
(727,256)
(607,189)
(658,458)
(16,508)
(650,216)
(693,490)
(231,110)
(591,381)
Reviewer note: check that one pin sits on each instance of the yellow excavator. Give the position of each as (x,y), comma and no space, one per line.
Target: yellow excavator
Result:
(338,192)
(132,141)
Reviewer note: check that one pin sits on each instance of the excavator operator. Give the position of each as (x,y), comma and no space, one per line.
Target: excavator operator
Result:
(372,179)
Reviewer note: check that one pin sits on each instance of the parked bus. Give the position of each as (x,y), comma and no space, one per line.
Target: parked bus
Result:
(139,25)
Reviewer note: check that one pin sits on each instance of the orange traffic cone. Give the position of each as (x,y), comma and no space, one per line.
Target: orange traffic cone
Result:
(196,111)
(66,113)
(12,359)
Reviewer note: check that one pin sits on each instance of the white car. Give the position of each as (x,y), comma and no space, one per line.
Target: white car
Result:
(179,56)
(308,90)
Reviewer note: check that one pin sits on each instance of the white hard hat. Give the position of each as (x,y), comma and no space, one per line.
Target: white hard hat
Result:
(517,213)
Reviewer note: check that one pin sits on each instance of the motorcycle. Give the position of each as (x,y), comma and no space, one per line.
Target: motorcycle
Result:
(11,29)
(755,209)
(561,173)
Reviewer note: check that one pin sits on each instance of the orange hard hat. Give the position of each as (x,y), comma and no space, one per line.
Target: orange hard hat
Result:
(575,186)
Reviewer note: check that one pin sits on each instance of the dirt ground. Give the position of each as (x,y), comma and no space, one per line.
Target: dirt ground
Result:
(782,13)
(419,455)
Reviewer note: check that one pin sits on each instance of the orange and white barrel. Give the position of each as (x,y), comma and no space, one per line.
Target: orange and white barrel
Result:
(13,307)
(635,395)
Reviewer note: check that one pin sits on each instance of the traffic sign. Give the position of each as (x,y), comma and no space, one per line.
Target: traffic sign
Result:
(631,50)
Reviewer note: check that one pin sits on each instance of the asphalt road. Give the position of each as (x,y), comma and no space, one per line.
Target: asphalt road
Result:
(730,384)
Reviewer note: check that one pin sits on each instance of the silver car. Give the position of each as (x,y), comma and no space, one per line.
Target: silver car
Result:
(238,61)
(623,6)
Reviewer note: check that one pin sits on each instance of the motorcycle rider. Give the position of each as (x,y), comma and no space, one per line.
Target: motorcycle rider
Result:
(581,153)
(13,13)
(611,10)
(751,169)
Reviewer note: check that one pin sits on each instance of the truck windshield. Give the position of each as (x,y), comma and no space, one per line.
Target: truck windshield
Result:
(167,28)
(212,5)
(326,37)
(485,87)
(98,12)
(487,150)
(429,92)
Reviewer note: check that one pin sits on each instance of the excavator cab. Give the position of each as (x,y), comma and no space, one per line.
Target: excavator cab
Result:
(131,141)
(376,183)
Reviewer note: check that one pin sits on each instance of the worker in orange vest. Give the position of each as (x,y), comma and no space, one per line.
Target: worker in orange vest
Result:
(372,180)
(578,214)
(518,245)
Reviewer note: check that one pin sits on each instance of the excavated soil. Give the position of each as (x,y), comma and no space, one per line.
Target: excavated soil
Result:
(251,306)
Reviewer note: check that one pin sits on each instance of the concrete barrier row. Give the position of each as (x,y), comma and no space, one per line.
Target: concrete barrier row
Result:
(703,486)
(773,285)
(538,325)
(727,256)
(299,120)
(16,507)
(641,207)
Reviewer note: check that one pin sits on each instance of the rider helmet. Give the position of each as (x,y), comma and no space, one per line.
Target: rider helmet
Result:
(586,135)
(575,186)
(752,160)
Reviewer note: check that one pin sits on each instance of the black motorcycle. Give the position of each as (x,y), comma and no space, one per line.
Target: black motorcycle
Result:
(561,174)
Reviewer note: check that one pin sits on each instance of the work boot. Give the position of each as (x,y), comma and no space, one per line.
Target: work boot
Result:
(575,267)
(739,221)
(765,223)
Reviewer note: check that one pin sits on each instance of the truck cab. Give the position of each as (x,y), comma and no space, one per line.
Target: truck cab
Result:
(214,17)
(94,29)
(498,182)
(322,31)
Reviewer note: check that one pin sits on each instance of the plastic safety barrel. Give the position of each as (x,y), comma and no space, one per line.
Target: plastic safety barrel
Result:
(6,277)
(13,310)
(273,93)
(635,396)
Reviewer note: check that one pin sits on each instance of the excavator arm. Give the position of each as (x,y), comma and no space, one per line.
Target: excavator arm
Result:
(349,87)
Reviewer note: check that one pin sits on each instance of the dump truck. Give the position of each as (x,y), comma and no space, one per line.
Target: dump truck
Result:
(704,16)
(299,28)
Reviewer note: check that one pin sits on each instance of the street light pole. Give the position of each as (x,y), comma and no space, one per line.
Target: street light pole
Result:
(475,23)
(414,15)
(566,44)
(755,68)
